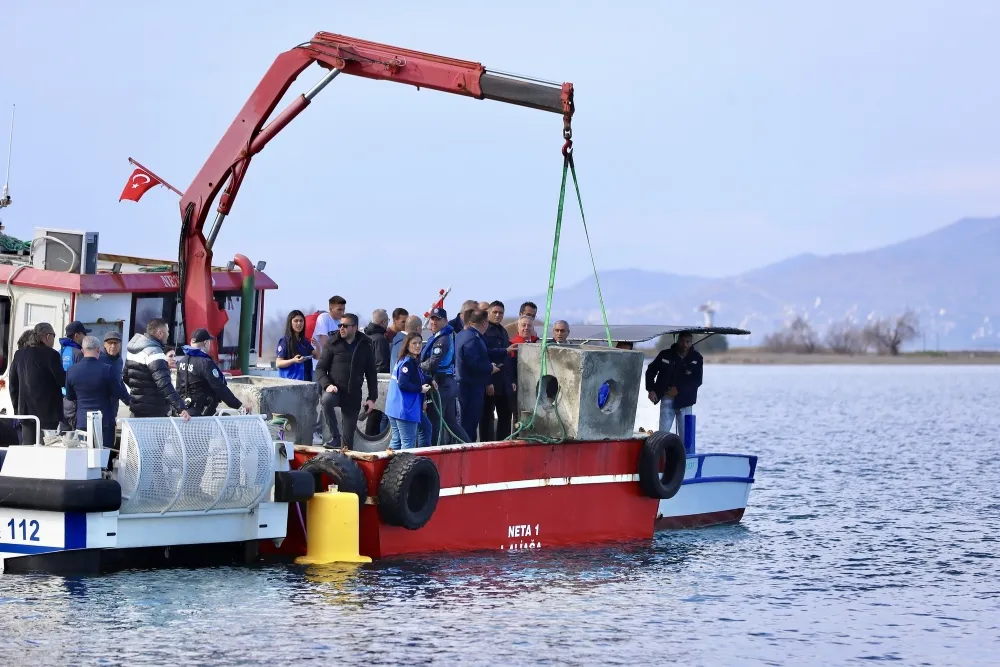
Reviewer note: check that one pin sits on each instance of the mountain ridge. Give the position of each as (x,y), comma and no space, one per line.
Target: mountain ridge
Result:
(945,275)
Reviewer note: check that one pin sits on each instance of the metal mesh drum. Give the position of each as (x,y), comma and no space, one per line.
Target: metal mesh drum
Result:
(207,463)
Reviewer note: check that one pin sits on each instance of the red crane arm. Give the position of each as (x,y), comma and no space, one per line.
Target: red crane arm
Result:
(248,135)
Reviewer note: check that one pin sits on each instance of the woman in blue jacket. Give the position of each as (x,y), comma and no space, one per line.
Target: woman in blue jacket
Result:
(295,353)
(404,404)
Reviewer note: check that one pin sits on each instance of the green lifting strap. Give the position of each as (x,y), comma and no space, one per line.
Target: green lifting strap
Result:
(568,167)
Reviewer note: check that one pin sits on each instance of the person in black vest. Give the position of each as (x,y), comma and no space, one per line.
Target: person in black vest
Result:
(199,380)
(93,385)
(36,382)
(346,362)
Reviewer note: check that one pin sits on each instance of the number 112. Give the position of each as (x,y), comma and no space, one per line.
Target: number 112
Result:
(33,524)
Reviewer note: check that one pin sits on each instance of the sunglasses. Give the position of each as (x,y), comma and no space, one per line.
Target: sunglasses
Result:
(347,326)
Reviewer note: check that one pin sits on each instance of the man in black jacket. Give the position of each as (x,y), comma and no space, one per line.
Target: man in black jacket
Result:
(347,360)
(93,385)
(376,333)
(500,391)
(147,374)
(672,380)
(36,381)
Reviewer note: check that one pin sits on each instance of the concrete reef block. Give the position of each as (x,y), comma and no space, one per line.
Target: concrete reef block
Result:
(276,396)
(571,390)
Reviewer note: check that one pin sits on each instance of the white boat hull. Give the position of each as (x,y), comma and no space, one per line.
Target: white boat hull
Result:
(715,491)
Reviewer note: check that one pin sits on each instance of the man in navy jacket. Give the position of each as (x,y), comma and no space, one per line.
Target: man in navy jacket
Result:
(93,385)
(672,380)
(474,369)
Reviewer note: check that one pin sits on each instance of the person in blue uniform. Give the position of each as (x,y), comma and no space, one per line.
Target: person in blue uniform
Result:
(437,361)
(295,352)
(92,385)
(404,404)
(70,352)
(199,380)
(474,369)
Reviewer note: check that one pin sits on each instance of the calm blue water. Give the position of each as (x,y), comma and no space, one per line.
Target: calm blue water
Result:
(872,534)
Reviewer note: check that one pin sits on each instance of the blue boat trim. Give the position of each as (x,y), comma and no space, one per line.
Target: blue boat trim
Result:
(75,530)
(705,480)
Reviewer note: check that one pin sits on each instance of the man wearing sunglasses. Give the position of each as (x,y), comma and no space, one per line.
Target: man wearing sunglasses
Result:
(346,362)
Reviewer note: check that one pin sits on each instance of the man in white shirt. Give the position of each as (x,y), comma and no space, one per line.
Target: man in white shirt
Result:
(326,324)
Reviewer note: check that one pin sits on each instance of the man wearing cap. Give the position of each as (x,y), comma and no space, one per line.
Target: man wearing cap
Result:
(437,360)
(199,380)
(69,346)
(71,352)
(111,355)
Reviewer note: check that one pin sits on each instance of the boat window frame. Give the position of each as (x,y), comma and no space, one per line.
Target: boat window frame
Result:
(169,313)
(219,296)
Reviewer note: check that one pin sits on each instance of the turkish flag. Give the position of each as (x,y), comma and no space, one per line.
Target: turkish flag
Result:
(140,181)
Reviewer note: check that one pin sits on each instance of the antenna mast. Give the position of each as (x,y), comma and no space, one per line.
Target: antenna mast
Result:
(5,196)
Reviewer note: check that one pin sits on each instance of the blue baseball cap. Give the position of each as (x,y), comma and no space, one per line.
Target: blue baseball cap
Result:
(439,313)
(76,327)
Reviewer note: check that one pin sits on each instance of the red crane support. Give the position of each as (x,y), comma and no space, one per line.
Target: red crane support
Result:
(247,136)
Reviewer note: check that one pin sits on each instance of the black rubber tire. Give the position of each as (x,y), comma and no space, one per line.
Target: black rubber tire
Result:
(342,469)
(409,490)
(668,447)
(371,443)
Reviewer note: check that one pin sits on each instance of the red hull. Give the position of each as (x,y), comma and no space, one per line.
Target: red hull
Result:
(509,496)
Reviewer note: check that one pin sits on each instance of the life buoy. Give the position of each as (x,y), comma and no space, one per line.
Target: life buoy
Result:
(408,492)
(668,448)
(345,473)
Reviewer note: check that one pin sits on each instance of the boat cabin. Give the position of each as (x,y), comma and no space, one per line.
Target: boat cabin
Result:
(60,277)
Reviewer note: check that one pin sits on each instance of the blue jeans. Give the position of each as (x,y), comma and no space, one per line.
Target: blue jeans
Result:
(668,415)
(424,431)
(404,434)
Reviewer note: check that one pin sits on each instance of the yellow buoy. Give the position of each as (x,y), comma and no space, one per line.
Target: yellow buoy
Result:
(332,530)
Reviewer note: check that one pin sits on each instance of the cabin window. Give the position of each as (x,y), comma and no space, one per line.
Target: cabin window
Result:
(148,307)
(231,302)
(35,313)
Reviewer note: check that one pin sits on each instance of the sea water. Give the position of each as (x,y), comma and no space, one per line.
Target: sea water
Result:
(871,534)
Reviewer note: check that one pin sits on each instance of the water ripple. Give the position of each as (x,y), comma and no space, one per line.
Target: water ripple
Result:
(871,536)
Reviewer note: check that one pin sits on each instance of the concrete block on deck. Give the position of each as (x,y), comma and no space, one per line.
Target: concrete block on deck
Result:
(292,399)
(571,390)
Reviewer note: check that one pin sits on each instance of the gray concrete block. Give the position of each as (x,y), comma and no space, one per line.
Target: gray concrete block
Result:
(294,400)
(571,388)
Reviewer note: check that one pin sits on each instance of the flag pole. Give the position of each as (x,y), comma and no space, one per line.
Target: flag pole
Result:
(179,193)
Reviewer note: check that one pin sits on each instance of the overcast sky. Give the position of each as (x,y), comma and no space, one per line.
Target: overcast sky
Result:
(711,137)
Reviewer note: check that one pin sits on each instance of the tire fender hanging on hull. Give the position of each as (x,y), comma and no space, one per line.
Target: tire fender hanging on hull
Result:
(666,447)
(409,490)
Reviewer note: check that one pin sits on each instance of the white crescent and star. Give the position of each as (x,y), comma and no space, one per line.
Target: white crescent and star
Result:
(136,183)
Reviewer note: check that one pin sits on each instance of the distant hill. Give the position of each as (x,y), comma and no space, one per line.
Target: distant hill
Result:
(948,276)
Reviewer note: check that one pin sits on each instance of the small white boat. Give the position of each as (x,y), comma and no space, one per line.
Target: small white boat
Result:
(715,491)
(205,491)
